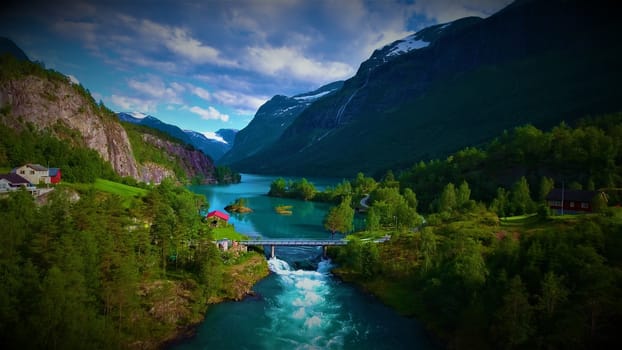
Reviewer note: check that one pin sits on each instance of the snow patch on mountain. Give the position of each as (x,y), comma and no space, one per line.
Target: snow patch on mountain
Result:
(213,136)
(138,115)
(313,97)
(409,43)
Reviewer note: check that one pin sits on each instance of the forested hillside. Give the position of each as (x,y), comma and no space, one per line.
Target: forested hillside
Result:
(82,271)
(491,266)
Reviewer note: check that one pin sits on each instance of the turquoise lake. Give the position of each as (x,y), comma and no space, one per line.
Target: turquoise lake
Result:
(300,305)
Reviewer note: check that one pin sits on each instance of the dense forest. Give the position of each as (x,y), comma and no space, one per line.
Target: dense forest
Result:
(478,278)
(83,271)
(476,273)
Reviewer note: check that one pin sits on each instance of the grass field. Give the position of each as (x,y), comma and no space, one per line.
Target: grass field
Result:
(126,192)
(228,232)
(118,188)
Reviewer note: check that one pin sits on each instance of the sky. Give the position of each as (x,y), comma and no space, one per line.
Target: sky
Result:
(206,65)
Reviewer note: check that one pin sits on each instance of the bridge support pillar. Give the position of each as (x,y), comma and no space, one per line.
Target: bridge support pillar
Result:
(325,248)
(272,251)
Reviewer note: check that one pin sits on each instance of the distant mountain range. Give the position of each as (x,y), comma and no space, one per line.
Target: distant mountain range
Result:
(271,120)
(446,87)
(214,146)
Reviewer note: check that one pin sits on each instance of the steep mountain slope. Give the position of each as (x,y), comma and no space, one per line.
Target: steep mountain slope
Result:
(534,62)
(31,96)
(271,119)
(213,147)
(7,46)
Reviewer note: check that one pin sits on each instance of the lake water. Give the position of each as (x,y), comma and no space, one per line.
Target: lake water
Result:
(296,308)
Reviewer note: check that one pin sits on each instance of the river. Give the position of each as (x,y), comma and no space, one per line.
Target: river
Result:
(300,305)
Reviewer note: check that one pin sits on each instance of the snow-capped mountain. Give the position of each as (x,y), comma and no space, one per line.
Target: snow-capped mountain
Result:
(215,146)
(414,42)
(452,85)
(271,119)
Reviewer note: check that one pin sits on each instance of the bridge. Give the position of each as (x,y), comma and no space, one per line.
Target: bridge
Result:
(295,242)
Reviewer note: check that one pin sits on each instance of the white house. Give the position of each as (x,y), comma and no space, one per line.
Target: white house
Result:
(35,173)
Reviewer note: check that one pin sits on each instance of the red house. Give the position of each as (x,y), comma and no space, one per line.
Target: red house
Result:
(214,217)
(572,201)
(55,175)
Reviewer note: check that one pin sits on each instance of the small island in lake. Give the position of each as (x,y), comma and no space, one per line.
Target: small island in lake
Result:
(283,209)
(239,206)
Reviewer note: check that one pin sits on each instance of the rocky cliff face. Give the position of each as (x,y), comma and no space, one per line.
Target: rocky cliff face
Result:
(53,102)
(194,162)
(45,103)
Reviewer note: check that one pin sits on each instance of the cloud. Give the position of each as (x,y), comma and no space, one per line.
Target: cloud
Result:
(177,40)
(239,100)
(155,88)
(293,62)
(126,103)
(448,10)
(210,113)
(200,92)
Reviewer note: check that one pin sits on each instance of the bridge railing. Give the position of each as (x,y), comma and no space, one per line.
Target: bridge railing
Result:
(295,242)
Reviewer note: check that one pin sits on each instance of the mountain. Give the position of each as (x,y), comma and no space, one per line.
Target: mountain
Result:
(32,97)
(214,144)
(271,119)
(455,85)
(7,46)
(214,147)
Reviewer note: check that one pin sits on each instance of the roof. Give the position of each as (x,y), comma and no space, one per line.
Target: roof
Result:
(54,171)
(14,179)
(218,214)
(36,167)
(571,195)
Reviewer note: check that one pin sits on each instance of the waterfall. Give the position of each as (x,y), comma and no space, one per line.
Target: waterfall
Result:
(305,314)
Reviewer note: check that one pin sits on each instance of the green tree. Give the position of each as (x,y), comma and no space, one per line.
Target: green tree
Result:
(463,194)
(553,294)
(411,198)
(304,189)
(520,197)
(370,257)
(278,188)
(546,185)
(427,248)
(501,203)
(363,185)
(372,221)
(448,201)
(513,319)
(340,218)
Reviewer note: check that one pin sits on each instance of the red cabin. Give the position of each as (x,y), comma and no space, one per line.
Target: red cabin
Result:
(214,217)
(572,201)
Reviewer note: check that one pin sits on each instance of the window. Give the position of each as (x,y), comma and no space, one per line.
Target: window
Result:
(32,172)
(585,205)
(572,204)
(555,203)
(22,171)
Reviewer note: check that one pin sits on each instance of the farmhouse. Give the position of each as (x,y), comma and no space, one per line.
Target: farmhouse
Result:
(572,201)
(38,174)
(11,182)
(34,173)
